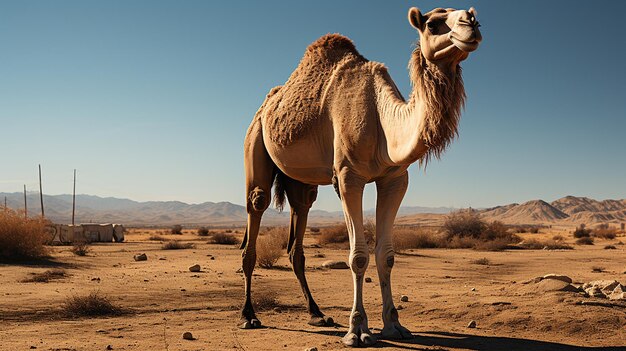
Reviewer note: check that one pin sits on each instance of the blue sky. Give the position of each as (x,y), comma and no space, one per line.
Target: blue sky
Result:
(150,100)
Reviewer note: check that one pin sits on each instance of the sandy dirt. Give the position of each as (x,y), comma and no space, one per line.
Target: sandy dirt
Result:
(445,289)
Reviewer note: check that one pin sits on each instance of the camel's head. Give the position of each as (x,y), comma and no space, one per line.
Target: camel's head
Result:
(446,35)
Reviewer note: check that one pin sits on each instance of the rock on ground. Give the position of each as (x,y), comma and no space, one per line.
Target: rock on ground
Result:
(471,324)
(555,285)
(140,257)
(404,298)
(187,336)
(335,265)
(195,268)
(560,277)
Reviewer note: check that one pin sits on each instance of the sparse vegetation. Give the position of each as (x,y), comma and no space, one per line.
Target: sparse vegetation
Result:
(597,269)
(224,238)
(177,229)
(604,232)
(558,238)
(481,261)
(45,276)
(416,238)
(333,235)
(81,247)
(582,232)
(266,301)
(177,245)
(585,241)
(610,247)
(269,249)
(203,231)
(535,244)
(90,305)
(156,237)
(465,229)
(314,229)
(463,224)
(21,238)
(279,235)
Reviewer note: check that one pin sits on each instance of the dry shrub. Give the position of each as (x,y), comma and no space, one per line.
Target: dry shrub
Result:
(93,304)
(605,233)
(597,269)
(176,245)
(481,261)
(333,235)
(534,244)
(45,276)
(610,247)
(533,230)
(463,224)
(465,229)
(203,231)
(314,229)
(177,229)
(80,247)
(20,237)
(585,241)
(266,301)
(155,237)
(582,232)
(268,250)
(415,238)
(280,235)
(558,238)
(224,238)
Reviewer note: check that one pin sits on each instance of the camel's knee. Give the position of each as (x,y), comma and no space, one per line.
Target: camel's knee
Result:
(358,262)
(385,260)
(258,200)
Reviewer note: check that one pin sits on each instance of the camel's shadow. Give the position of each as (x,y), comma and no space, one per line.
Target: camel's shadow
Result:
(467,342)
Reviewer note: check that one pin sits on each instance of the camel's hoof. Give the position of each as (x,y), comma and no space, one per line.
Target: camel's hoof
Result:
(367,340)
(350,340)
(323,321)
(249,324)
(395,332)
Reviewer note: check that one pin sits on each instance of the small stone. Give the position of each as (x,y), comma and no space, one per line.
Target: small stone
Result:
(404,298)
(547,285)
(335,265)
(195,268)
(33,347)
(311,349)
(618,296)
(604,285)
(240,270)
(162,258)
(188,336)
(101,331)
(141,257)
(473,289)
(368,279)
(399,307)
(212,257)
(562,278)
(471,324)
(109,347)
(277,309)
(595,291)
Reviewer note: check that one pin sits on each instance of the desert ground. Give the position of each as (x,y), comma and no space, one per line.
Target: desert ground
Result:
(446,289)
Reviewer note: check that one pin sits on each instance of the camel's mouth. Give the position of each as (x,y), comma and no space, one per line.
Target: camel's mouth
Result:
(466,46)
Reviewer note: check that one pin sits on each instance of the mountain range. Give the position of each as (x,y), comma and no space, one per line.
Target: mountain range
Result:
(89,208)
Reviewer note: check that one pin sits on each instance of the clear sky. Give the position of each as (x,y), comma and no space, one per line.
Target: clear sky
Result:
(150,100)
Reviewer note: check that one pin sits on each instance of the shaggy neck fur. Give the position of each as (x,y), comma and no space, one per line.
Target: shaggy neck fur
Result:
(442,96)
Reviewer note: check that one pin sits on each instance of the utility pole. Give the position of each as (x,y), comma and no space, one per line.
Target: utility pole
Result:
(43,215)
(25,204)
(74,198)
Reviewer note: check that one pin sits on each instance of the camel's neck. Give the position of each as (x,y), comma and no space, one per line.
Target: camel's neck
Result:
(425,125)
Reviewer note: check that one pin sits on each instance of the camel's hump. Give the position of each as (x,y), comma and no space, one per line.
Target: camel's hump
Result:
(331,46)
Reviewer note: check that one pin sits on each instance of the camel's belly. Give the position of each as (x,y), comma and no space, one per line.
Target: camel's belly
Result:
(305,160)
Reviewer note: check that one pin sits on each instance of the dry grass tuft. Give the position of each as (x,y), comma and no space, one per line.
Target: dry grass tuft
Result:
(582,232)
(605,233)
(279,234)
(224,238)
(610,247)
(534,244)
(177,245)
(156,237)
(269,248)
(177,229)
(333,235)
(93,304)
(21,238)
(585,240)
(80,247)
(266,301)
(481,261)
(203,231)
(415,238)
(46,276)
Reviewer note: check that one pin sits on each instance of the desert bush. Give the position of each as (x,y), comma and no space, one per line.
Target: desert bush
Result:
(93,304)
(533,230)
(534,244)
(605,233)
(481,261)
(558,238)
(597,269)
(229,231)
(521,230)
(585,240)
(156,237)
(610,247)
(268,250)
(176,245)
(369,231)
(45,276)
(331,235)
(463,224)
(80,247)
(279,235)
(224,238)
(176,229)
(415,238)
(203,231)
(20,237)
(314,229)
(582,232)
(266,301)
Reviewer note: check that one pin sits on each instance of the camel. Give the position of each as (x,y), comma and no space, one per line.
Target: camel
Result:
(340,119)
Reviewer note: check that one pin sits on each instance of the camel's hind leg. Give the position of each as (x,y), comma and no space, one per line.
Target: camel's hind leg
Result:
(301,196)
(259,170)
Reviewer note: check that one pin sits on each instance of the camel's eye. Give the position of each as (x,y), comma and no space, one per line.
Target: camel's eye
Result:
(432,26)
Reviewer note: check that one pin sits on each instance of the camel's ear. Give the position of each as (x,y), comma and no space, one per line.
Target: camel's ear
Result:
(416,19)
(473,11)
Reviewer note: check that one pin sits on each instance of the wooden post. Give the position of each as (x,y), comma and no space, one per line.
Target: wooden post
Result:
(74,198)
(43,215)
(25,204)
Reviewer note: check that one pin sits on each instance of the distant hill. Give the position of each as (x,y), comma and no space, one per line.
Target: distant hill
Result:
(90,208)
(535,211)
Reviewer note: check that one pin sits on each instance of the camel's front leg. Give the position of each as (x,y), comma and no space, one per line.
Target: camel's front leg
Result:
(351,191)
(390,194)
